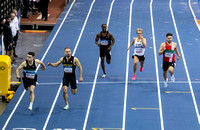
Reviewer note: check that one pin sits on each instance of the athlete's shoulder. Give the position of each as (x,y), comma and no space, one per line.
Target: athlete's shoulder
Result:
(174,43)
(75,58)
(99,34)
(23,63)
(37,60)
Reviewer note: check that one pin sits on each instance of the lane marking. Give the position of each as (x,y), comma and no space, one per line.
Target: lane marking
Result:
(176,92)
(22,95)
(184,61)
(195,18)
(77,43)
(156,67)
(127,67)
(145,108)
(95,79)
(129,82)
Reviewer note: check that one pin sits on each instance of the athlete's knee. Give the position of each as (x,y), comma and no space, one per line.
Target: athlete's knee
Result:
(74,91)
(108,61)
(64,89)
(32,89)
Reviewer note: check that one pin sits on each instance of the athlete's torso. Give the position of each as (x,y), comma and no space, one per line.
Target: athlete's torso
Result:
(29,71)
(139,48)
(105,40)
(68,66)
(168,55)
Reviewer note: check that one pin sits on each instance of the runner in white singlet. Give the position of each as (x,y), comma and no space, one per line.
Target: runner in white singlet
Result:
(138,55)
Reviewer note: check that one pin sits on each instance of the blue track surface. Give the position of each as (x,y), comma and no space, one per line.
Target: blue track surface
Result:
(116,103)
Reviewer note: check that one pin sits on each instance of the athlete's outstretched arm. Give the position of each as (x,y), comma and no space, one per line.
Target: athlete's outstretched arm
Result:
(131,43)
(19,68)
(57,63)
(77,63)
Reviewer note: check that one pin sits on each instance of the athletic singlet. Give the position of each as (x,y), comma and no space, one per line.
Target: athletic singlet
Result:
(104,40)
(139,48)
(169,55)
(30,71)
(68,66)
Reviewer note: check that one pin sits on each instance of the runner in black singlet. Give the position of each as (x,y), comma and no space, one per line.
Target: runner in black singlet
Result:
(29,74)
(69,64)
(106,42)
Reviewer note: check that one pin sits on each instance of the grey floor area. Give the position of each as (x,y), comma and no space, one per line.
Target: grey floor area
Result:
(26,42)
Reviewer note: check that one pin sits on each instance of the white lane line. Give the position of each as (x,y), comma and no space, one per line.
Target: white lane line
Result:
(195,18)
(156,67)
(127,67)
(95,79)
(123,82)
(184,61)
(55,100)
(5,125)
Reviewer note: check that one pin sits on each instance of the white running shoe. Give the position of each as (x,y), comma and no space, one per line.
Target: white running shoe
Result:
(66,107)
(165,83)
(104,75)
(172,79)
(30,108)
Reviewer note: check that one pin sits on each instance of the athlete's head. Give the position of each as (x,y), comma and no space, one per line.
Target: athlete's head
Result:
(30,56)
(104,27)
(139,32)
(67,51)
(169,37)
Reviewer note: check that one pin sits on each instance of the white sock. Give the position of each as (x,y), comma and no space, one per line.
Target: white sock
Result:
(173,75)
(31,104)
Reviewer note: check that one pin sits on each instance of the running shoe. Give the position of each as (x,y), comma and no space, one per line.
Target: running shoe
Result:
(134,76)
(30,108)
(172,79)
(165,83)
(104,75)
(66,107)
(141,69)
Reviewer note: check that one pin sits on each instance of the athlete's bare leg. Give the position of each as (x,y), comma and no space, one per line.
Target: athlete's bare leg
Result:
(136,60)
(165,75)
(141,64)
(32,95)
(171,70)
(103,65)
(65,94)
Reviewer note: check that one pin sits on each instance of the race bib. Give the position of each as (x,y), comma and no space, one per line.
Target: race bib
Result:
(138,50)
(68,69)
(30,76)
(169,54)
(104,42)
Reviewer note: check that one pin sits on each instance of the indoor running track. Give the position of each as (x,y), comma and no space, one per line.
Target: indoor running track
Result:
(116,102)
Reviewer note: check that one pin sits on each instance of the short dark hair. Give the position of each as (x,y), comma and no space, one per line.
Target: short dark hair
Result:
(66,48)
(103,24)
(31,53)
(169,34)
